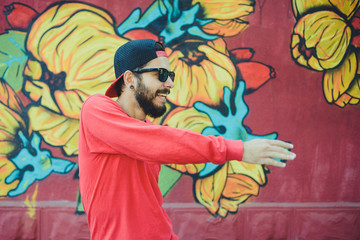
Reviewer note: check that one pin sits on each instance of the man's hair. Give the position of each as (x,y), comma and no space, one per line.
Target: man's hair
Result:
(119,84)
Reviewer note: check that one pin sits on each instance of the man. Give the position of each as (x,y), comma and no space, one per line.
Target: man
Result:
(120,151)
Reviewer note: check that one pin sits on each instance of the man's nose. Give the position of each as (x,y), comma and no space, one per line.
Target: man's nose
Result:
(169,83)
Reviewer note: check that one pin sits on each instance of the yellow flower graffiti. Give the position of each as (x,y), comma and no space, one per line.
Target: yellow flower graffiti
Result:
(322,41)
(76,43)
(347,7)
(340,85)
(230,186)
(204,68)
(11,110)
(228,20)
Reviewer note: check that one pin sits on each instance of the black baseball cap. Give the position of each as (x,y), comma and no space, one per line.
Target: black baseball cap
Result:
(130,56)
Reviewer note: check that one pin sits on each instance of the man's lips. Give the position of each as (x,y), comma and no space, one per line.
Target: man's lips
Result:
(163,94)
(163,91)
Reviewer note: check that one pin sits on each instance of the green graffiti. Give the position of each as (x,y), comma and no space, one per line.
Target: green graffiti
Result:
(13,58)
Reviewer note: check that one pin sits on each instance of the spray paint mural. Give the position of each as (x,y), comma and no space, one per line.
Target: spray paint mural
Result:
(65,55)
(51,61)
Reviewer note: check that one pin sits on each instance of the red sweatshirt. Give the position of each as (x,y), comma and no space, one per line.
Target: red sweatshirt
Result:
(119,162)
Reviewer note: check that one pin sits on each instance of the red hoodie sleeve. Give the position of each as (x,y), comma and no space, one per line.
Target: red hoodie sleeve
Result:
(108,129)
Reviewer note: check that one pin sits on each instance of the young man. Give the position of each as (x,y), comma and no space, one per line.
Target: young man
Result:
(120,151)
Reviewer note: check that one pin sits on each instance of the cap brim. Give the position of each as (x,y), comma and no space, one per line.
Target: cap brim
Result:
(111,91)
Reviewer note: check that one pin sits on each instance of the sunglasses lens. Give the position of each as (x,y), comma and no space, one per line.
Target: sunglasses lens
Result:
(163,75)
(172,75)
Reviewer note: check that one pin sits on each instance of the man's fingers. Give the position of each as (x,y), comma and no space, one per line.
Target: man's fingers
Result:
(268,152)
(281,153)
(278,149)
(280,143)
(272,162)
(284,155)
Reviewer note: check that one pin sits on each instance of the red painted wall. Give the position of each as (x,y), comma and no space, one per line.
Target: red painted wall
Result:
(315,197)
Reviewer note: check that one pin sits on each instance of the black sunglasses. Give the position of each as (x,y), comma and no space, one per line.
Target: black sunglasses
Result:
(163,73)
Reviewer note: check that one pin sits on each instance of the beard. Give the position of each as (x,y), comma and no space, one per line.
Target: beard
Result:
(145,99)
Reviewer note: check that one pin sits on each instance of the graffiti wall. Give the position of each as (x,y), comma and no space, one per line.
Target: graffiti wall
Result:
(245,69)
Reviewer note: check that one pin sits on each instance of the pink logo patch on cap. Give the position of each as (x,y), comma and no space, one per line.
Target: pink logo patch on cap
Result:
(161,54)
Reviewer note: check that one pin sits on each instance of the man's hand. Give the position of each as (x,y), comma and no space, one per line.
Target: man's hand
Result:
(265,151)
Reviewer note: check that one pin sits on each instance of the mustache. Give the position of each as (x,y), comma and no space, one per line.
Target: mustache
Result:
(165,91)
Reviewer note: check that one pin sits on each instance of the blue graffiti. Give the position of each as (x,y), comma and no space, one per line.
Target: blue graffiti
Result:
(136,21)
(34,164)
(230,126)
(179,21)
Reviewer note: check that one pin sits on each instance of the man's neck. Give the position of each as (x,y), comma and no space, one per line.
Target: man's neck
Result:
(129,105)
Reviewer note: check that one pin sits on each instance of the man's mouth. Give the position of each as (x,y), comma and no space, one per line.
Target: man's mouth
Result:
(162,94)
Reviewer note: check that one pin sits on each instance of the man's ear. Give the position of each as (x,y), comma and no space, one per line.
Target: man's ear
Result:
(129,79)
